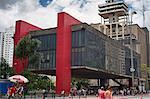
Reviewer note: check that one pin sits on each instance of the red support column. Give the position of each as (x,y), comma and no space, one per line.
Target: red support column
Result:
(21,30)
(63,52)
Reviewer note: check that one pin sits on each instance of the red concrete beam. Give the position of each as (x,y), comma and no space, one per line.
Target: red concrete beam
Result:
(63,52)
(21,30)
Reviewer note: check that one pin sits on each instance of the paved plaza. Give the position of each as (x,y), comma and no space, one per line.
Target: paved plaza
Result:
(114,97)
(94,97)
(88,97)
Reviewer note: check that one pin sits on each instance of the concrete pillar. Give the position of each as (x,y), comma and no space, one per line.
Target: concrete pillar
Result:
(98,82)
(103,82)
(130,82)
(63,52)
(117,31)
(123,31)
(105,29)
(110,30)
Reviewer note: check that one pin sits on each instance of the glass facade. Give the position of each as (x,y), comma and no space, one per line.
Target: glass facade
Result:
(46,51)
(95,50)
(115,57)
(78,48)
(90,48)
(136,62)
(87,49)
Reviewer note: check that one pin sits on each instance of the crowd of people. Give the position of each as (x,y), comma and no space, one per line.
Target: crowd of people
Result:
(105,94)
(16,90)
(124,92)
(101,93)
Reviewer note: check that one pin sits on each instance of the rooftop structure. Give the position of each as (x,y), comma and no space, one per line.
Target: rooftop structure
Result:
(115,16)
(116,8)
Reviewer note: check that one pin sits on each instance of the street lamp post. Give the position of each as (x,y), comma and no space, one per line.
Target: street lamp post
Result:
(131,49)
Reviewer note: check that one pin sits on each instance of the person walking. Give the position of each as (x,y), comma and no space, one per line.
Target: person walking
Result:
(108,93)
(101,93)
(11,92)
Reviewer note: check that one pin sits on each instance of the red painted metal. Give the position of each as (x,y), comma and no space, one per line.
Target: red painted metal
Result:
(22,29)
(63,52)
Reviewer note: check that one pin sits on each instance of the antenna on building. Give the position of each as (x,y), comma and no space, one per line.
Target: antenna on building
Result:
(141,10)
(144,9)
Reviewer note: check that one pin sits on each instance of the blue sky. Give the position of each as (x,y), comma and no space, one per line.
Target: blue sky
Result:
(45,3)
(43,13)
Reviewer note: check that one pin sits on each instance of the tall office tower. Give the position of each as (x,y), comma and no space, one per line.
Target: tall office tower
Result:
(8,45)
(1,44)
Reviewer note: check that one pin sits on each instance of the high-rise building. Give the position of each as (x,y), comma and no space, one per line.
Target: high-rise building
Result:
(116,25)
(8,46)
(1,44)
(115,16)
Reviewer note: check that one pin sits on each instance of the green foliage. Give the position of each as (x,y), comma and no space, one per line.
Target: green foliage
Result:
(37,82)
(80,83)
(34,59)
(5,70)
(148,69)
(144,67)
(145,71)
(27,48)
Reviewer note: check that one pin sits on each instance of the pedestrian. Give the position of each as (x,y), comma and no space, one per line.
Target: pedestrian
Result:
(101,93)
(19,91)
(108,93)
(62,93)
(44,93)
(11,92)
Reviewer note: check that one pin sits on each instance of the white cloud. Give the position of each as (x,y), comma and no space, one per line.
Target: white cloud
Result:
(137,5)
(63,3)
(88,13)
(30,11)
(46,17)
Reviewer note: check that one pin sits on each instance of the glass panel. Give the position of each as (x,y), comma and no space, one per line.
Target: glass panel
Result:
(95,51)
(47,51)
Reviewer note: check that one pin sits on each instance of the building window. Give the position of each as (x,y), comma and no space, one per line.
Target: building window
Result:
(47,51)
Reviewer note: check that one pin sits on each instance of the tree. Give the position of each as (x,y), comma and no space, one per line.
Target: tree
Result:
(144,70)
(37,82)
(27,48)
(5,70)
(80,83)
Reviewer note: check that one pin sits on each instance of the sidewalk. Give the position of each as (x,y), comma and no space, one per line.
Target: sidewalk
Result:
(146,96)
(114,97)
